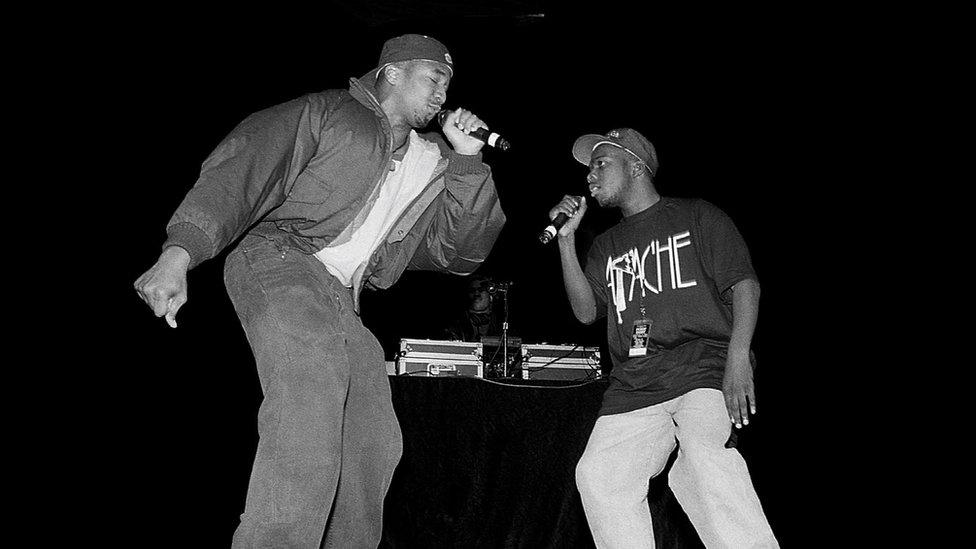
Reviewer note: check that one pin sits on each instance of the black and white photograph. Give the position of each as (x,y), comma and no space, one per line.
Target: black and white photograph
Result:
(481,274)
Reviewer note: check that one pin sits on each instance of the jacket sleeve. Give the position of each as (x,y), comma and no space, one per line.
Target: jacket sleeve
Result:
(467,221)
(246,176)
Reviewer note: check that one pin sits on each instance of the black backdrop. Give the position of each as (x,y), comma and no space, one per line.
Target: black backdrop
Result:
(728,97)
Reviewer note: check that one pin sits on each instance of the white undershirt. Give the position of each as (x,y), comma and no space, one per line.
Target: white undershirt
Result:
(397,191)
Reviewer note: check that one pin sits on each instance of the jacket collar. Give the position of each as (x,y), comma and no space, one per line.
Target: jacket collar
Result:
(365,92)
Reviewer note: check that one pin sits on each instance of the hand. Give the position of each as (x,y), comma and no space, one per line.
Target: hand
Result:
(739,391)
(575,208)
(457,127)
(163,286)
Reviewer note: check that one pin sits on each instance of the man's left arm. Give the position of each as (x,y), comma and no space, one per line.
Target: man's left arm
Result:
(469,216)
(738,387)
(466,222)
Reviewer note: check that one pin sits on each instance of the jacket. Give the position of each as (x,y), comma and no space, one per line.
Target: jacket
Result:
(304,174)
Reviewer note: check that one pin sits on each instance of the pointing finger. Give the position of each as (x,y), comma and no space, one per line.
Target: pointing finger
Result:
(173,306)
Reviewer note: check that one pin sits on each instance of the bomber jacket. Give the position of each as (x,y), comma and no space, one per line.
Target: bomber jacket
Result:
(305,173)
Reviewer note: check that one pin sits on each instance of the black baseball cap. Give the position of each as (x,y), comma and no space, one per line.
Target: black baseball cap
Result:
(627,139)
(411,47)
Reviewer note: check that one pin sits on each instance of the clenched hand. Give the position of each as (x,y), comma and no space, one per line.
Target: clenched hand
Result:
(163,286)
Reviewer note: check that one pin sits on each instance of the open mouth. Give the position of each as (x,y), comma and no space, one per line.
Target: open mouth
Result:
(594,189)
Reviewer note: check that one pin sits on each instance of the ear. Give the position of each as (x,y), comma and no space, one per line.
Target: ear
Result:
(638,168)
(391,74)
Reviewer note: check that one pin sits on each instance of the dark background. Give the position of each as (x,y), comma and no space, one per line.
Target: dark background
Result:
(735,100)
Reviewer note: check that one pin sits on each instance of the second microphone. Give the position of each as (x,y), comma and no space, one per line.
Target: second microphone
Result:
(550,232)
(489,137)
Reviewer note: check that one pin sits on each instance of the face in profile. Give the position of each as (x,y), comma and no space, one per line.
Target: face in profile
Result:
(422,86)
(608,178)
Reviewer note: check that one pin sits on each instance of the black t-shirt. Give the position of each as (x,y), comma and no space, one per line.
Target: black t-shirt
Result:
(676,259)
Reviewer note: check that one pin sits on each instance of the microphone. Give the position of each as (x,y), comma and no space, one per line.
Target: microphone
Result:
(550,232)
(491,138)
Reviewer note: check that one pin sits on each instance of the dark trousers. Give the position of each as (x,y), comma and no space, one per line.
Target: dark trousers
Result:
(328,437)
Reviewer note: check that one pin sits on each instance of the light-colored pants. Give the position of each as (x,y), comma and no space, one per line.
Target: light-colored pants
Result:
(710,481)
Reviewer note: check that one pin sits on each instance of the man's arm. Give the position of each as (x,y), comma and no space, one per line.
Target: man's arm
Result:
(244,178)
(578,290)
(469,217)
(249,174)
(740,393)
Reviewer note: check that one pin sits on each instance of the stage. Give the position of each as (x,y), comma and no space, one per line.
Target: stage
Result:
(490,463)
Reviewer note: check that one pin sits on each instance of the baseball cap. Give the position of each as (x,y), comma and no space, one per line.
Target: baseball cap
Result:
(627,139)
(414,46)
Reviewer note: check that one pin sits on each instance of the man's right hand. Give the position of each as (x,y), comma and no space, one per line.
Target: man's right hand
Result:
(163,286)
(574,207)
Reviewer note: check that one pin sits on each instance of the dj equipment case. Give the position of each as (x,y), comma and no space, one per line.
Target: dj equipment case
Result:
(430,357)
(437,358)
(560,362)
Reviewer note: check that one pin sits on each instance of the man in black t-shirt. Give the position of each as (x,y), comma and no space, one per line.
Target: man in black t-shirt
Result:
(676,282)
